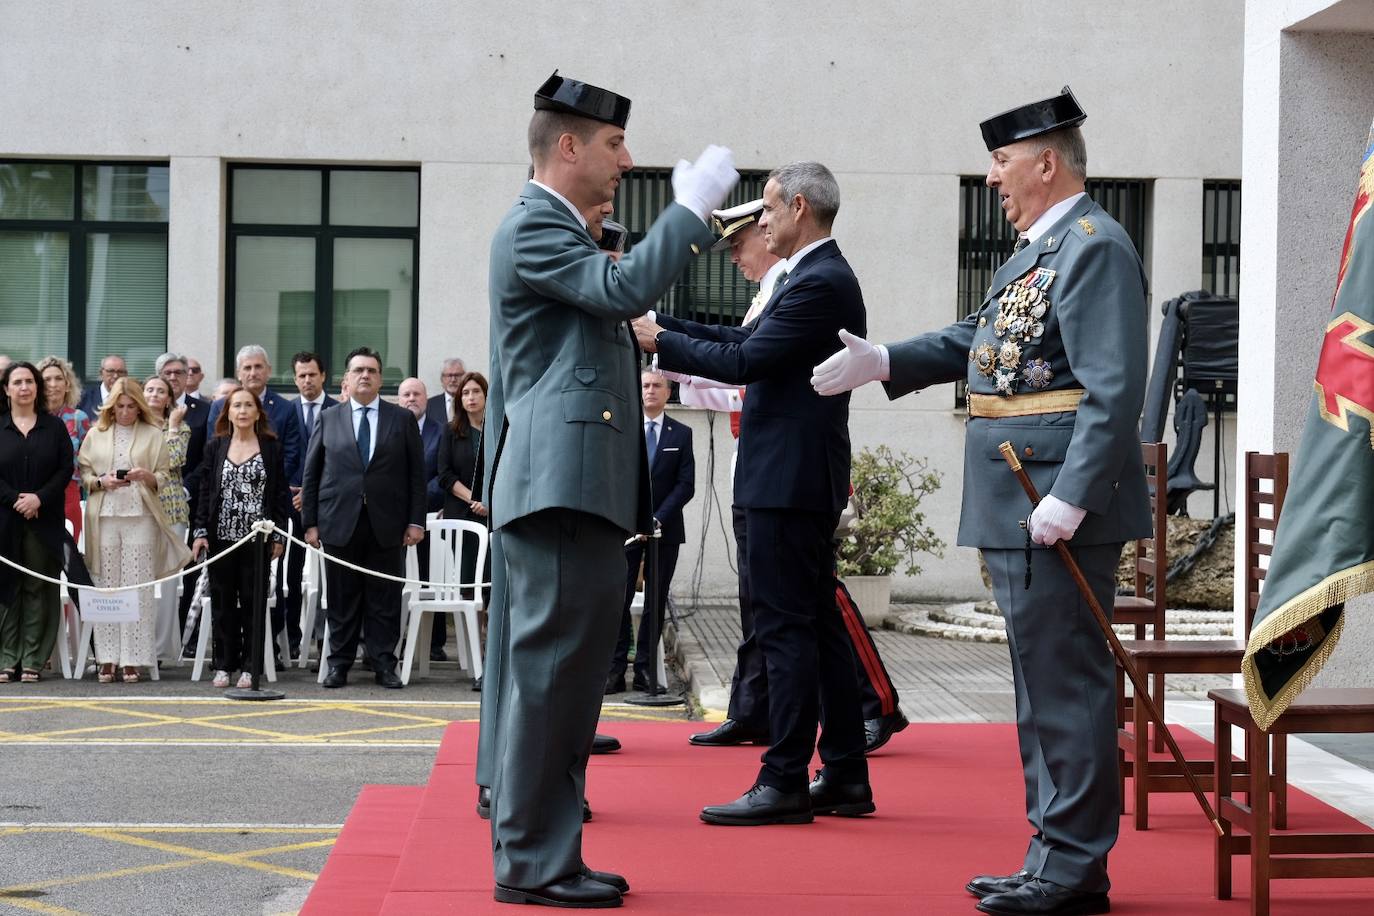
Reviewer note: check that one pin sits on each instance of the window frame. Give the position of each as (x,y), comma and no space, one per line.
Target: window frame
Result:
(78,229)
(324,235)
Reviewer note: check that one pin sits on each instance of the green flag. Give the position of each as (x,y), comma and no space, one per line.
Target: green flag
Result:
(1324,546)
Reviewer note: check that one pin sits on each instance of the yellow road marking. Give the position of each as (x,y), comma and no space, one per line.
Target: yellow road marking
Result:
(24,903)
(219,830)
(240,859)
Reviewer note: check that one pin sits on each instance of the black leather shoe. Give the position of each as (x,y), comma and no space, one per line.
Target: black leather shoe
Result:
(728,734)
(986,885)
(477,685)
(1038,897)
(759,806)
(605,744)
(337,677)
(389,679)
(615,685)
(843,800)
(586,811)
(437,654)
(879,731)
(607,877)
(578,892)
(484,803)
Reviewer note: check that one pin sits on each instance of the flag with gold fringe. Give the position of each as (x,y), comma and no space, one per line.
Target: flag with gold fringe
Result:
(1323,553)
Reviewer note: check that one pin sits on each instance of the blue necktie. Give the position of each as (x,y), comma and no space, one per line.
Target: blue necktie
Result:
(364,437)
(651,440)
(309,419)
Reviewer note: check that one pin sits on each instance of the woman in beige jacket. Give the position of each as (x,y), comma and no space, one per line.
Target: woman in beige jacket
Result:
(128,538)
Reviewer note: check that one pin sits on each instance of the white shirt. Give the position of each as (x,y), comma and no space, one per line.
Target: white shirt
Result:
(305,412)
(1051,216)
(796,258)
(567,203)
(357,409)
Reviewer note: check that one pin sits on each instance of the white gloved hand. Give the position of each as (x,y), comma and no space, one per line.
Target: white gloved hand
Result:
(859,363)
(1054,520)
(702,186)
(680,377)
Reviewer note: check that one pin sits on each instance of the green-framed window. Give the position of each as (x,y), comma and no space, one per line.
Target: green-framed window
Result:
(324,259)
(83,261)
(711,290)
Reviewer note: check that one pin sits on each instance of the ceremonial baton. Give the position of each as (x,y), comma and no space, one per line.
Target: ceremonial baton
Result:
(1142,693)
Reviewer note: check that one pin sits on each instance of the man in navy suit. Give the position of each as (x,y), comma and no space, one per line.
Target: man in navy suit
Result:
(792,480)
(172,368)
(364,500)
(440,407)
(112,368)
(413,396)
(307,369)
(672,479)
(253,369)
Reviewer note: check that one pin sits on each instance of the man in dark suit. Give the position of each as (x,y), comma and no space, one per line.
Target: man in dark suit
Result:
(567,480)
(307,369)
(172,368)
(1054,358)
(672,479)
(112,368)
(254,370)
(440,407)
(364,500)
(792,480)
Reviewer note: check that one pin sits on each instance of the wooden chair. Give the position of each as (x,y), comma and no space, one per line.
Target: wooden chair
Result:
(1266,485)
(1289,855)
(1146,607)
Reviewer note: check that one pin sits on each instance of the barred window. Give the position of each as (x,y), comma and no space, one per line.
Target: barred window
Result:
(711,290)
(1221,237)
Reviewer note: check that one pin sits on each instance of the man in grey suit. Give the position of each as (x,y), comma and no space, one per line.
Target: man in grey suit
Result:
(1055,364)
(564,374)
(364,499)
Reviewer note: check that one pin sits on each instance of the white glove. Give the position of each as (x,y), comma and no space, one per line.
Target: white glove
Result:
(680,377)
(1054,520)
(859,363)
(702,186)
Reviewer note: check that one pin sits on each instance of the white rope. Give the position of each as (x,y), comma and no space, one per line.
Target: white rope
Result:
(113,589)
(372,572)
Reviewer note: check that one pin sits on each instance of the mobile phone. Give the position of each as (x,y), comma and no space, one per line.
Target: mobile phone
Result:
(613,236)
(121,473)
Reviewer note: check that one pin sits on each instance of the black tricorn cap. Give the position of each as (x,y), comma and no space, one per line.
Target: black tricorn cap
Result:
(562,94)
(1026,121)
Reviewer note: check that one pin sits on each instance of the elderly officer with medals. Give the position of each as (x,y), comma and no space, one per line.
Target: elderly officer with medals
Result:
(567,477)
(1055,363)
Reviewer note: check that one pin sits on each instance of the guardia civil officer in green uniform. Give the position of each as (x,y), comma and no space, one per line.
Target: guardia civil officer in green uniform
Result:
(1055,362)
(568,477)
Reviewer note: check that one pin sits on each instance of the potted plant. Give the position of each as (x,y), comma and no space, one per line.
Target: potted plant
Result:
(888,529)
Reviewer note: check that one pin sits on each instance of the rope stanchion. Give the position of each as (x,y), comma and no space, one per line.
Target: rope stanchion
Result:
(655,694)
(258,639)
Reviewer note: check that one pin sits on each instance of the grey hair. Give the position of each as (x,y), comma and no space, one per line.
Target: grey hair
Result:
(166,358)
(250,350)
(815,183)
(455,361)
(1069,149)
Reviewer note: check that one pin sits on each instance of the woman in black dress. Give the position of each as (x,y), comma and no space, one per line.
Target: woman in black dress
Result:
(35,466)
(460,475)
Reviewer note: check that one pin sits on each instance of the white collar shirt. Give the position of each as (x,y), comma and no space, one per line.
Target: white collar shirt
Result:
(567,203)
(357,410)
(793,262)
(1051,216)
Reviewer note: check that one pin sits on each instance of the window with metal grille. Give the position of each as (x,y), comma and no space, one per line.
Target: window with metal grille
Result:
(986,238)
(711,290)
(1221,237)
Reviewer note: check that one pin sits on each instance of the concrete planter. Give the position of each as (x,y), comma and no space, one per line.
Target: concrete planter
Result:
(873,595)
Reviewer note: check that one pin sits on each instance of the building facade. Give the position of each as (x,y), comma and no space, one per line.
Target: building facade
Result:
(316,176)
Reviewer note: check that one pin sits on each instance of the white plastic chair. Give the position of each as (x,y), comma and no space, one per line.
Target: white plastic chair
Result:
(637,620)
(446,547)
(203,652)
(312,594)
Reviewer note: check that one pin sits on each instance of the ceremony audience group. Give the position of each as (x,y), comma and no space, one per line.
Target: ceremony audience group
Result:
(122,483)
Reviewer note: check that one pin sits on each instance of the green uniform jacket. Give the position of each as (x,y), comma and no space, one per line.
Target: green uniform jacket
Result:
(1091,334)
(564,381)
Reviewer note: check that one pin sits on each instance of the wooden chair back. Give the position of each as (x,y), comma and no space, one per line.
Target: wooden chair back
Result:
(1266,486)
(1152,553)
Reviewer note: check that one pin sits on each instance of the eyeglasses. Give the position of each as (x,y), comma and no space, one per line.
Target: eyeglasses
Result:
(166,372)
(194,370)
(452,375)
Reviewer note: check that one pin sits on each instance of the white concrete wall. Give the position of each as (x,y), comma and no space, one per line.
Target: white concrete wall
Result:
(887,93)
(1309,95)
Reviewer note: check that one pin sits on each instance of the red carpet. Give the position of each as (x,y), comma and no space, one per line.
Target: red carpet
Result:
(949,806)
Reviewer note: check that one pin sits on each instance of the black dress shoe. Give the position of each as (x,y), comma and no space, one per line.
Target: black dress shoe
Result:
(477,684)
(728,734)
(389,679)
(605,744)
(1038,897)
(586,811)
(437,654)
(578,892)
(879,731)
(607,877)
(986,885)
(759,806)
(484,803)
(842,799)
(337,677)
(615,685)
